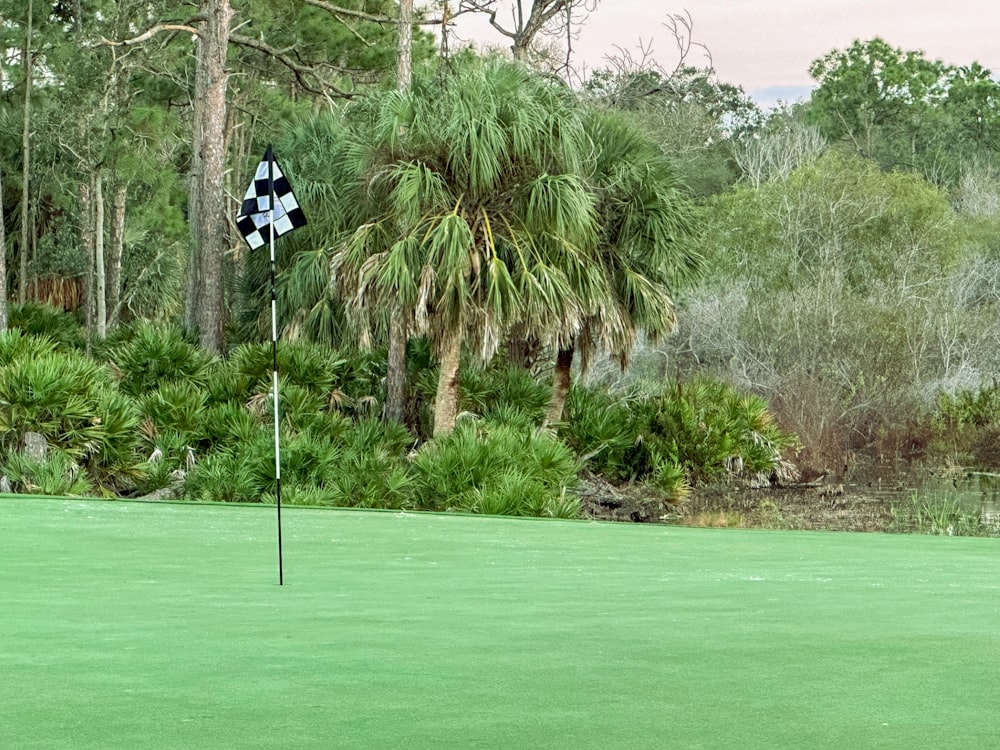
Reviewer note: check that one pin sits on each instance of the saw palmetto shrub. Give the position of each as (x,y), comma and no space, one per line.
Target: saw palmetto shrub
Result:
(350,384)
(680,435)
(353,465)
(711,430)
(504,394)
(73,403)
(485,467)
(39,319)
(57,474)
(151,356)
(599,427)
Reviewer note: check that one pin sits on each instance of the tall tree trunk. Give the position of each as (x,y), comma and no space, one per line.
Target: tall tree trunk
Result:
(191,269)
(404,47)
(560,384)
(87,245)
(3,254)
(3,231)
(23,250)
(446,400)
(395,373)
(117,242)
(210,143)
(100,277)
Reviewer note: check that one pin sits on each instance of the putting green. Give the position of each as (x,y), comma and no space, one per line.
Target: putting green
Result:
(130,625)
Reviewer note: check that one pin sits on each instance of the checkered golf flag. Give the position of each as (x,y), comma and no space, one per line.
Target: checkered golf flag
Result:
(254,218)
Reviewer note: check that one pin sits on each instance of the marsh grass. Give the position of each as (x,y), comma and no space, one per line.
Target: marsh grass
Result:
(937,513)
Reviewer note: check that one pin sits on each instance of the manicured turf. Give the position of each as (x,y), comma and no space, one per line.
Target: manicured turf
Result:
(127,625)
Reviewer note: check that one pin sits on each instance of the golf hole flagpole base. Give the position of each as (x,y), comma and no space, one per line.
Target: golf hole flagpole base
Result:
(270,209)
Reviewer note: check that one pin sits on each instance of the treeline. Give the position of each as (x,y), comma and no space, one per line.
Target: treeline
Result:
(650,224)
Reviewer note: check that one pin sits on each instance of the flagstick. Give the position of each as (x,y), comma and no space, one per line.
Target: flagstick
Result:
(274,361)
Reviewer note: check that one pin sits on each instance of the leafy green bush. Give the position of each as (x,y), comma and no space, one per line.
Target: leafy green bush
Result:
(154,356)
(55,395)
(504,394)
(710,430)
(600,428)
(352,466)
(73,403)
(499,469)
(965,425)
(178,406)
(227,423)
(15,345)
(687,433)
(37,319)
(57,474)
(350,384)
(114,462)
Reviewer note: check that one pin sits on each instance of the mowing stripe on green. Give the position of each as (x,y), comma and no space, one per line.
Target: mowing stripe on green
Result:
(128,625)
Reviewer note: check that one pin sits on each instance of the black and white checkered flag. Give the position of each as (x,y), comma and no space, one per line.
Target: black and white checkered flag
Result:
(254,219)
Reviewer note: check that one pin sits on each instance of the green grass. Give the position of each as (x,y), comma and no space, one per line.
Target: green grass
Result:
(129,625)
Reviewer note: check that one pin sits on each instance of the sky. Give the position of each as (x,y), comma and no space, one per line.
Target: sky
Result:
(766,46)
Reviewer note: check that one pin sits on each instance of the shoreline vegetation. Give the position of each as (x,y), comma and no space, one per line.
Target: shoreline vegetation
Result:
(150,415)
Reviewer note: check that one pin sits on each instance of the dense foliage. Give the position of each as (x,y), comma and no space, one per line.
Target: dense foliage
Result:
(159,412)
(826,269)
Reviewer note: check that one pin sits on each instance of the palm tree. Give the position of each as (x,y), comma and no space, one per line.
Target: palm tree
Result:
(479,218)
(641,249)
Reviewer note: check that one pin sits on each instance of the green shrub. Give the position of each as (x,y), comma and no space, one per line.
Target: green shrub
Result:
(504,394)
(711,430)
(370,471)
(351,385)
(56,475)
(227,423)
(241,473)
(114,462)
(154,356)
(977,407)
(598,426)
(178,406)
(354,465)
(74,404)
(493,468)
(966,424)
(308,365)
(37,319)
(16,345)
(688,433)
(55,395)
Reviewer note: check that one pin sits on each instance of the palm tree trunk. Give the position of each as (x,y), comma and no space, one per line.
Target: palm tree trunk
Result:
(560,384)
(404,47)
(446,400)
(395,371)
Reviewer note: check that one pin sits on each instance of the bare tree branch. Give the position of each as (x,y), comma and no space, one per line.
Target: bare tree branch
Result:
(542,16)
(150,33)
(301,71)
(337,11)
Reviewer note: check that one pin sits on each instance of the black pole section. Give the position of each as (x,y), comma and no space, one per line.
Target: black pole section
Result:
(274,361)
